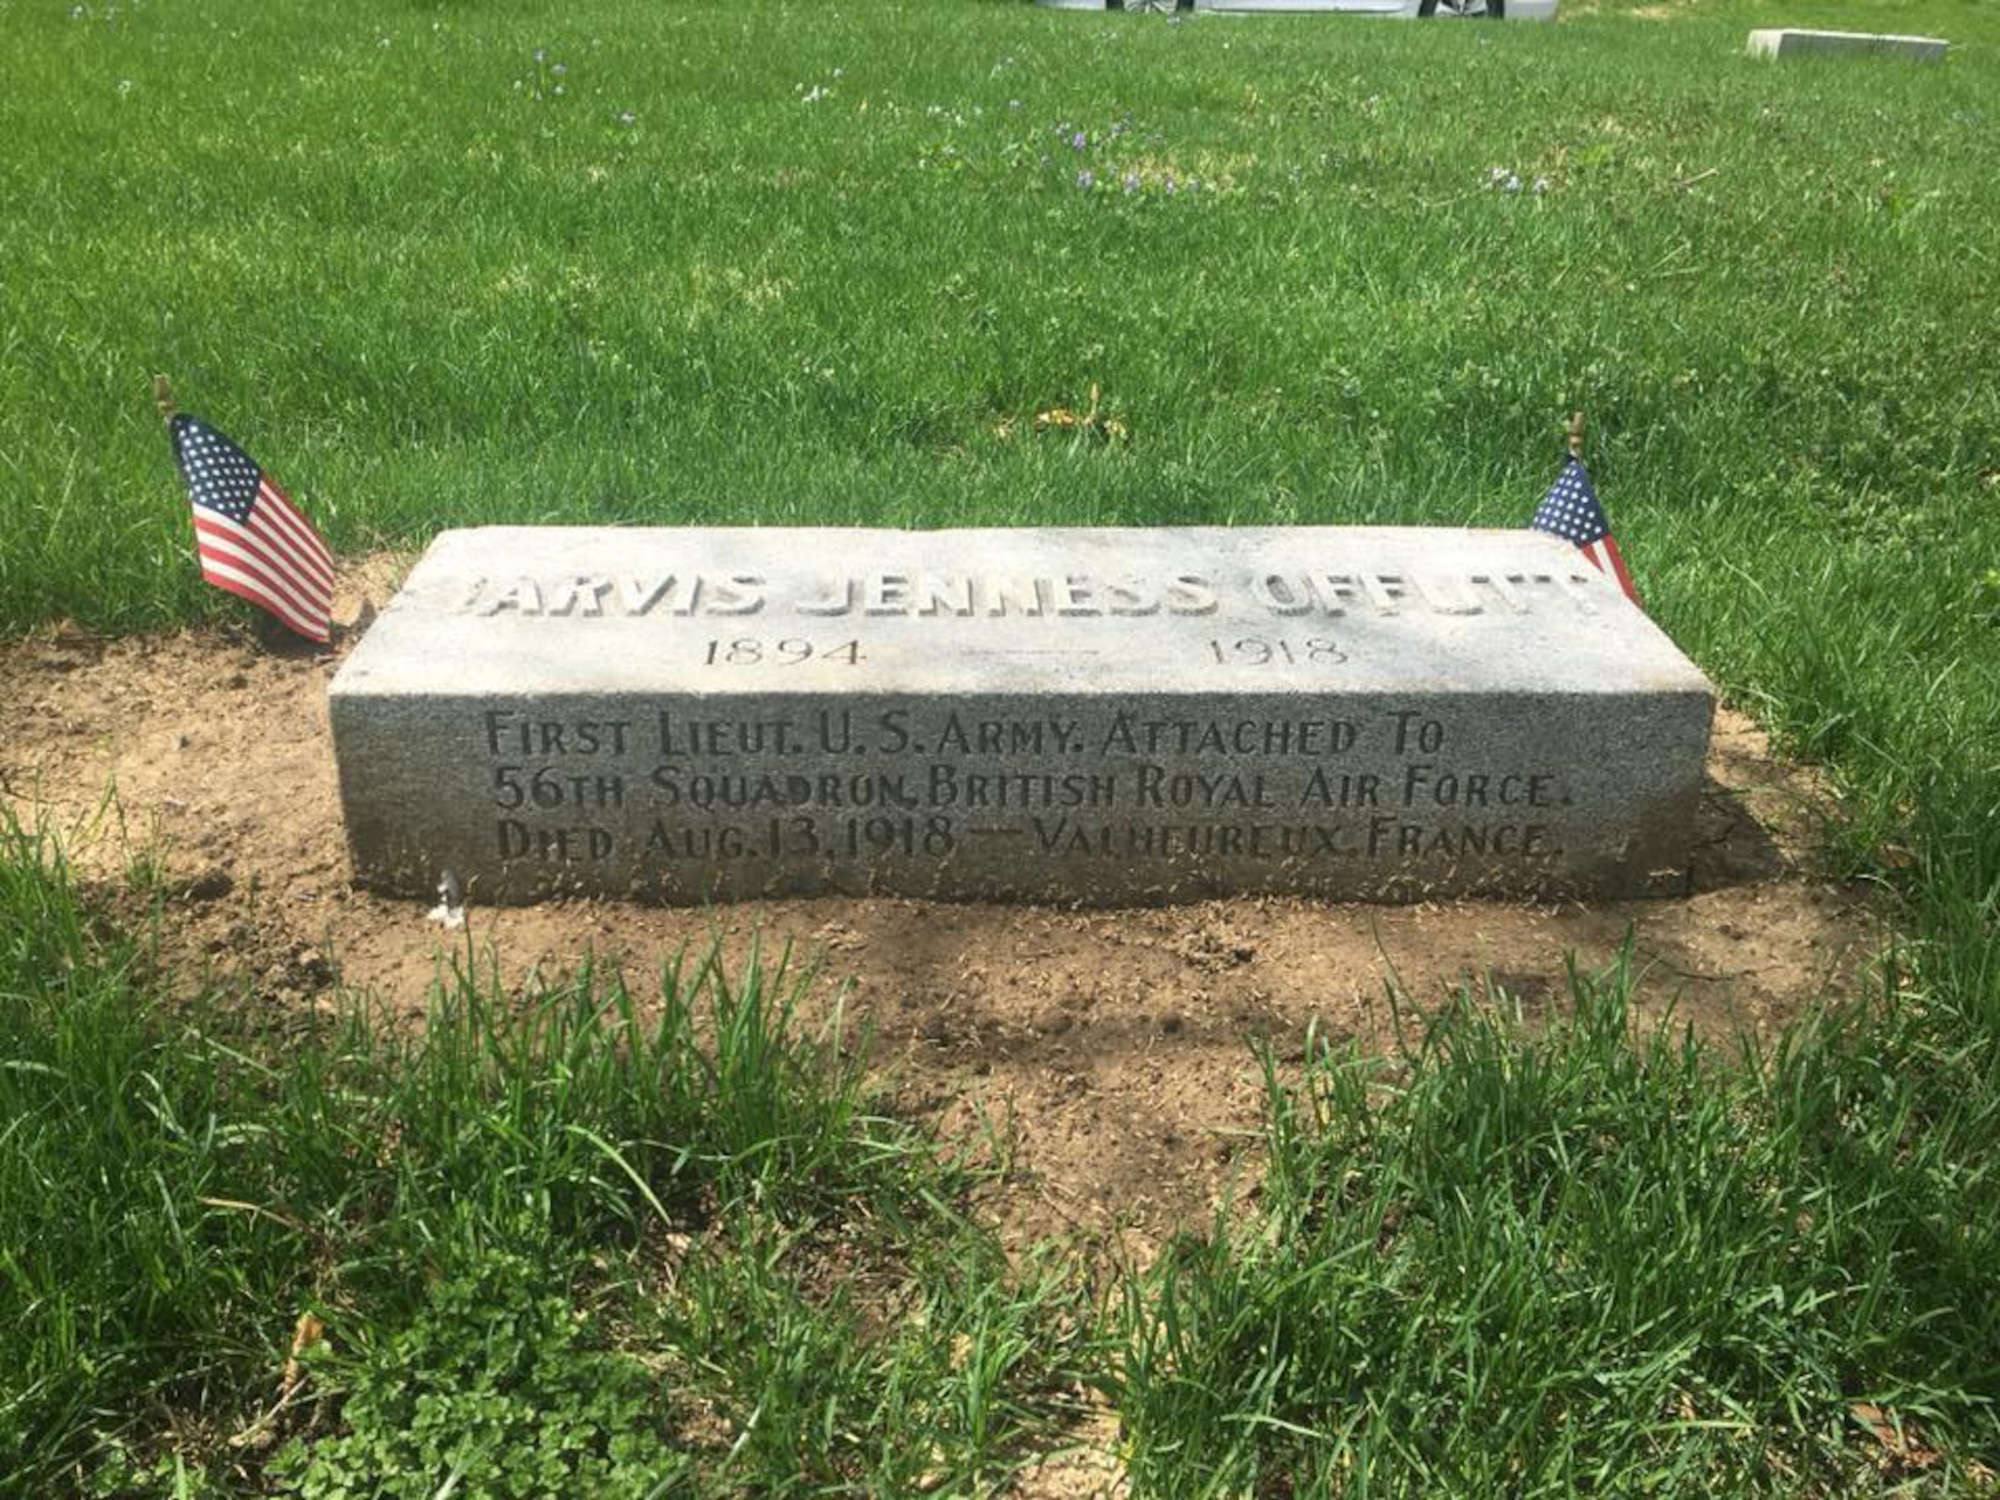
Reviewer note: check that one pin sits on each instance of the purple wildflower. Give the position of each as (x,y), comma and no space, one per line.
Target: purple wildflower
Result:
(1086,179)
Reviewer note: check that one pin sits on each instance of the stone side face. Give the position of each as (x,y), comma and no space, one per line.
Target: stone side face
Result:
(1072,716)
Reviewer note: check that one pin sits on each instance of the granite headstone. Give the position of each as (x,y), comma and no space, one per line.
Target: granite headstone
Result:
(1070,715)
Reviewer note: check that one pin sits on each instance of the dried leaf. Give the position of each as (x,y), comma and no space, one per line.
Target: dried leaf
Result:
(1895,856)
(1086,423)
(1900,1445)
(308,1332)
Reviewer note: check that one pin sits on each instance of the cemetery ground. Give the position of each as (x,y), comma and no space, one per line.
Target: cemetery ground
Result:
(1251,1197)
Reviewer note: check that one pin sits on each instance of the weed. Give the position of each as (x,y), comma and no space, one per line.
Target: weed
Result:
(492,1389)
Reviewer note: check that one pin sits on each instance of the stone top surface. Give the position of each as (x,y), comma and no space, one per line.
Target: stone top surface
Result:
(552,610)
(1816,34)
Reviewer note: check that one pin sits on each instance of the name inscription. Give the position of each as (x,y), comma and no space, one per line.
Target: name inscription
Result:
(920,595)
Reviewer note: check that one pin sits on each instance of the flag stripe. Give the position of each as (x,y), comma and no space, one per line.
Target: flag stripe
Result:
(1618,567)
(249,547)
(224,576)
(305,629)
(247,567)
(252,542)
(222,572)
(283,550)
(267,524)
(283,523)
(294,524)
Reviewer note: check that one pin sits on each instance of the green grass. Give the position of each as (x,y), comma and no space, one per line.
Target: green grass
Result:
(373,243)
(1516,1266)
(536,1202)
(370,241)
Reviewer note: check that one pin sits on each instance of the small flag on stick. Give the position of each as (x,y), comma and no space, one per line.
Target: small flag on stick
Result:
(249,536)
(1570,510)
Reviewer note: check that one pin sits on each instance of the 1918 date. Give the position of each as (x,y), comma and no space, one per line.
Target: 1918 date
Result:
(1271,651)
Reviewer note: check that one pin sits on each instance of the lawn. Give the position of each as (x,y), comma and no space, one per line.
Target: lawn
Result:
(446,263)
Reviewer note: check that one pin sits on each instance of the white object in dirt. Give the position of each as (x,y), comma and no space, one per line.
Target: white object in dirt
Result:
(1794,42)
(450,910)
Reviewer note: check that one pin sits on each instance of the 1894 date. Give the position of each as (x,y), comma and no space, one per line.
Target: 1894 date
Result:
(790,651)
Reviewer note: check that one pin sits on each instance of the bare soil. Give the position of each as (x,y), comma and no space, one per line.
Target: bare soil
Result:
(1109,1046)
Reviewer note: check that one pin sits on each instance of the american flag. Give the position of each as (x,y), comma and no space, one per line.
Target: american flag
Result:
(251,539)
(1570,510)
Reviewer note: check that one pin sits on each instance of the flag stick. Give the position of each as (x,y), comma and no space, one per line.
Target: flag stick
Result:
(1576,434)
(163,398)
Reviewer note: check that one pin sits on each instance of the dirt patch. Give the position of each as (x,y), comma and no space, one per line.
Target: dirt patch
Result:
(1107,1046)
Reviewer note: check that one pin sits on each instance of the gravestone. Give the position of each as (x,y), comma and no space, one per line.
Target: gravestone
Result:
(1797,42)
(1071,715)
